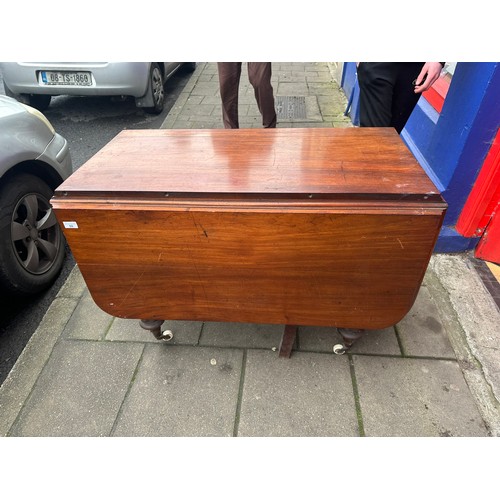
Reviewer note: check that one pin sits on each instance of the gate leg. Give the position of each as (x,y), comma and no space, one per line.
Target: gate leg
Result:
(154,326)
(287,341)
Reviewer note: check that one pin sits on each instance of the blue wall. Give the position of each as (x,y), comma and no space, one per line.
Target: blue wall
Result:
(349,85)
(451,146)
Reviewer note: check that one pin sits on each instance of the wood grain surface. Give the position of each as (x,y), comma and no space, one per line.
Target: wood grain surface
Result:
(343,162)
(329,227)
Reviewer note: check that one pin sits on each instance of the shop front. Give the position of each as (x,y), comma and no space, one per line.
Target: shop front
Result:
(454,134)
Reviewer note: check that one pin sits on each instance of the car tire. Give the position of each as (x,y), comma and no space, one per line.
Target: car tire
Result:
(156,83)
(39,101)
(32,245)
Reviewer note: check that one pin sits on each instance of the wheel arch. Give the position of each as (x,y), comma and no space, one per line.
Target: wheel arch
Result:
(34,167)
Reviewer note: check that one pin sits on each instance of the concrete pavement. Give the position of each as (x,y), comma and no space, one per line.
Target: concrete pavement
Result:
(436,373)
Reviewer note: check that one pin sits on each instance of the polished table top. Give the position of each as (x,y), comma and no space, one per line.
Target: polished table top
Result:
(334,163)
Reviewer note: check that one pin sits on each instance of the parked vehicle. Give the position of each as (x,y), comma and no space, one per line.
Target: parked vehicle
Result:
(34,160)
(36,83)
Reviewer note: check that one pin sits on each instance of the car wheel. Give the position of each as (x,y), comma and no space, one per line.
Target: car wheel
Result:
(32,245)
(157,90)
(39,101)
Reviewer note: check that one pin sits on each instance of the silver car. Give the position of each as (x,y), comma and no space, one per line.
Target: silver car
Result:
(35,83)
(34,160)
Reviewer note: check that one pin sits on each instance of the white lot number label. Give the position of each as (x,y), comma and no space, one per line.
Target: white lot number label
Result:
(78,78)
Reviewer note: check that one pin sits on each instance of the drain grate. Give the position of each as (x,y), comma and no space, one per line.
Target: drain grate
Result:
(291,107)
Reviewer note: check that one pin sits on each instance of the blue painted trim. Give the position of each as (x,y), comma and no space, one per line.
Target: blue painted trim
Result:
(349,84)
(428,110)
(453,147)
(354,111)
(348,77)
(482,129)
(407,138)
(449,241)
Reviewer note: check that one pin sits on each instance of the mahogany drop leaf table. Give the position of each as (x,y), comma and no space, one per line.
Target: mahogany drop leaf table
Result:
(319,226)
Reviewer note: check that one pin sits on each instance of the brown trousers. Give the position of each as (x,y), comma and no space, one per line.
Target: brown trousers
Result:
(259,75)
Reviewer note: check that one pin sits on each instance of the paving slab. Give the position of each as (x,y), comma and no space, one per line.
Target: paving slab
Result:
(293,88)
(448,285)
(80,390)
(421,331)
(415,398)
(243,335)
(309,394)
(88,321)
(19,383)
(476,310)
(75,285)
(183,392)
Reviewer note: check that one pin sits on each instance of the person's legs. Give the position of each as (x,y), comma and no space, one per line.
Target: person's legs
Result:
(229,81)
(376,82)
(404,99)
(259,75)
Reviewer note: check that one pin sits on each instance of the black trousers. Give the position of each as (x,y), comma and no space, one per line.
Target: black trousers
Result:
(386,96)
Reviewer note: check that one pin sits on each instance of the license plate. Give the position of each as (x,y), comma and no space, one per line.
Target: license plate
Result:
(74,78)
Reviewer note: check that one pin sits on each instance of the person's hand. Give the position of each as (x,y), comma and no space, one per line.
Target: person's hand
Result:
(428,75)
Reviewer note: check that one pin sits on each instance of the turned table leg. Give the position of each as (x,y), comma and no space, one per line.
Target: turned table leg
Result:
(287,341)
(154,326)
